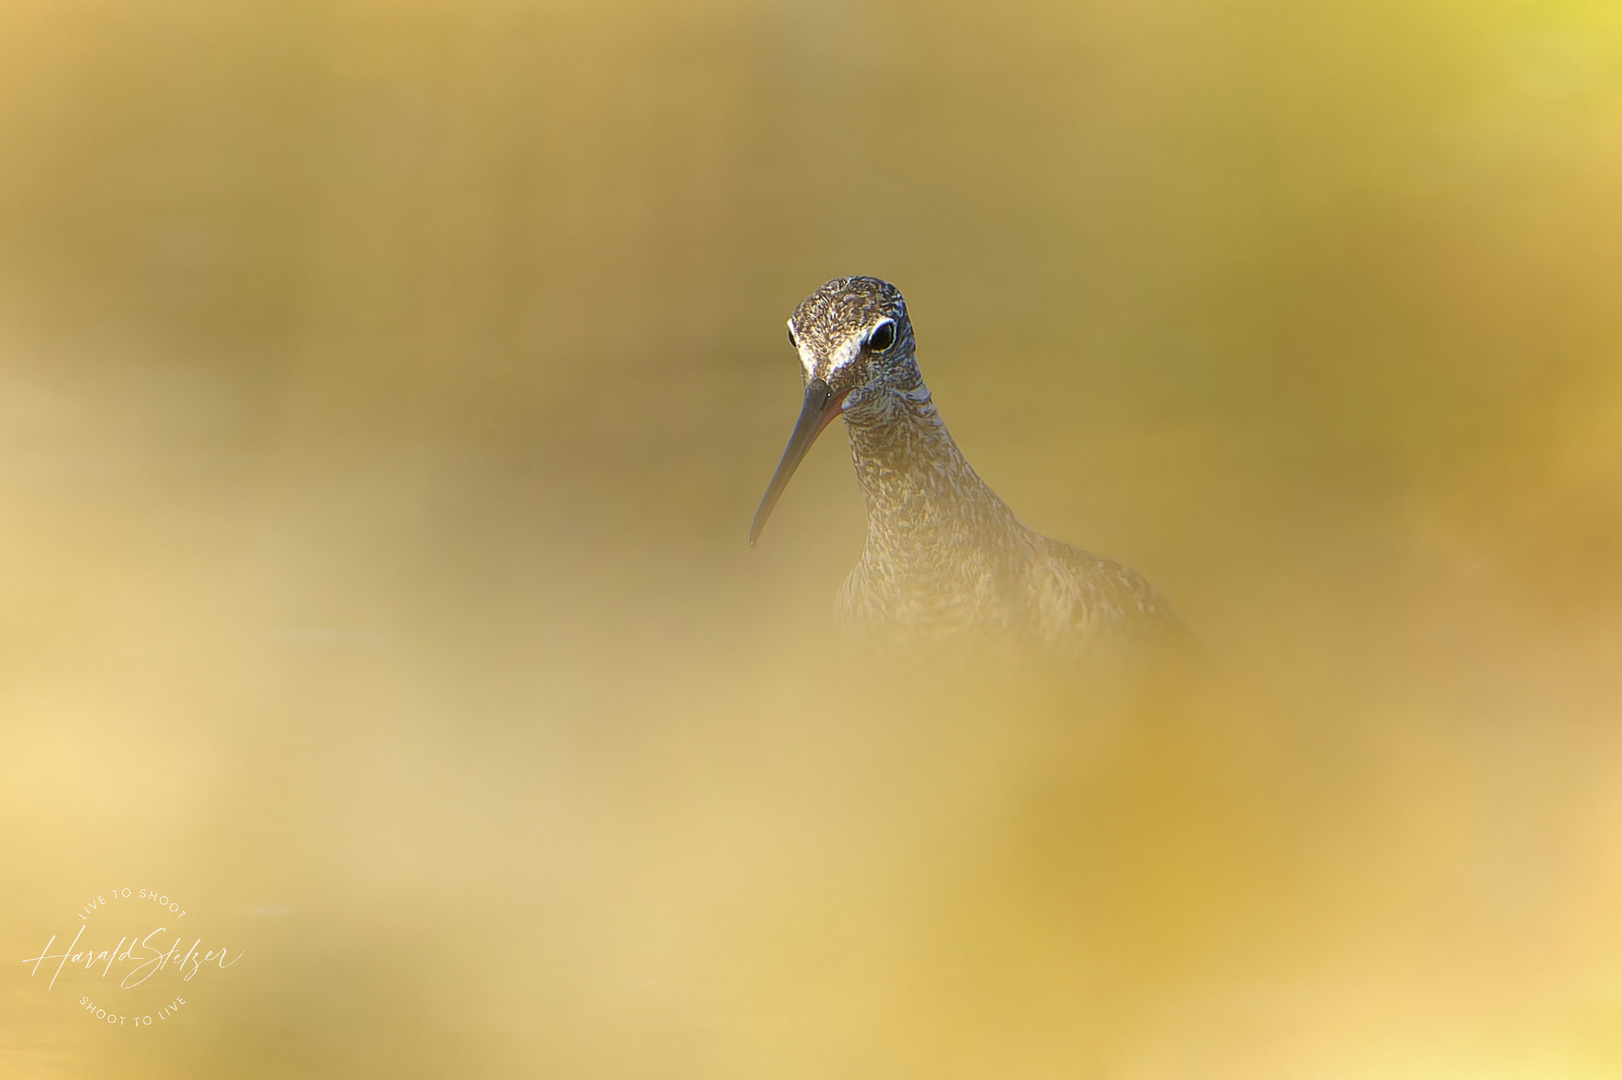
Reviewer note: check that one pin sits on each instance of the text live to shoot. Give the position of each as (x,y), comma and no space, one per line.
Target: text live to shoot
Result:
(137,958)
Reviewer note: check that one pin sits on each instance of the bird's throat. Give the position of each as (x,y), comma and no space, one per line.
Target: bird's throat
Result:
(921,493)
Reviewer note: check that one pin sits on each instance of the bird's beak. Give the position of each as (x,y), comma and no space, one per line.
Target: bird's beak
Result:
(820,408)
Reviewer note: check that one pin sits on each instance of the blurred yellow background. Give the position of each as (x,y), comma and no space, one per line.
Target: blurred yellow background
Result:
(386,389)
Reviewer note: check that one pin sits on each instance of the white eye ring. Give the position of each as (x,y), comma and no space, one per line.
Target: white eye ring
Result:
(882,338)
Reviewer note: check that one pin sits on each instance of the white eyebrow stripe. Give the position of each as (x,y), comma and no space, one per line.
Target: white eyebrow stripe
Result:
(848,352)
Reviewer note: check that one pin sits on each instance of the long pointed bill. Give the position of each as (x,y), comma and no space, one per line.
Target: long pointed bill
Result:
(821,406)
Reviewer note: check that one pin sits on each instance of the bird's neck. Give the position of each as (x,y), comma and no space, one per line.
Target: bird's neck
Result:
(922,495)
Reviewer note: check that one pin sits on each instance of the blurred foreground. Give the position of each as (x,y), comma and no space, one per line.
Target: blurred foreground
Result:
(384,394)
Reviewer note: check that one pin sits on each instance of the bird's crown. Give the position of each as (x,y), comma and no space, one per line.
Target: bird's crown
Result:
(846,317)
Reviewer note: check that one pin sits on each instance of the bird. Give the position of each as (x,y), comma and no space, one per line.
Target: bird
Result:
(945,558)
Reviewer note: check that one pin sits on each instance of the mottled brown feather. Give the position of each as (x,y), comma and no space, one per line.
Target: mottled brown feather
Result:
(945,557)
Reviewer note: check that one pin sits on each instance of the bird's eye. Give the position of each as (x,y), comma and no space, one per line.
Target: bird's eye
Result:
(882,338)
(791,340)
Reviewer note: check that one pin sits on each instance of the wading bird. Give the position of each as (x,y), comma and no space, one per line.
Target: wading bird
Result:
(945,557)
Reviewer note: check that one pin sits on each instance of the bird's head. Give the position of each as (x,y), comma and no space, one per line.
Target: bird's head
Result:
(856,347)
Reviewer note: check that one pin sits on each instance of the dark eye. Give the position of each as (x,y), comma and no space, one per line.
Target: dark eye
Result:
(791,340)
(882,338)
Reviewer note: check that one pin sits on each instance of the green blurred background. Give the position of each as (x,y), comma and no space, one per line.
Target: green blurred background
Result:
(385,391)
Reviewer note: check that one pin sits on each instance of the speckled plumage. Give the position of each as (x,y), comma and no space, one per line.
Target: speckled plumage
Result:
(945,557)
